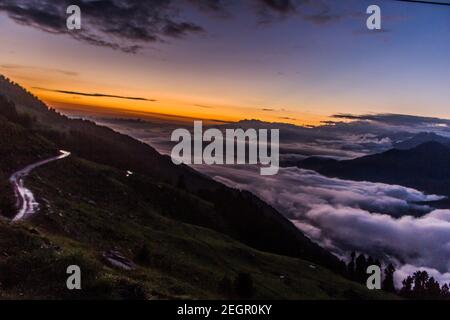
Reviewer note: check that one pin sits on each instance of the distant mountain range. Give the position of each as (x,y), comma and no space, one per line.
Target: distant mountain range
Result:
(425,166)
(420,138)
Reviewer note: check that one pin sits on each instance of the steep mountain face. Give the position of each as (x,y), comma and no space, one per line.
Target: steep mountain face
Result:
(425,167)
(88,201)
(420,138)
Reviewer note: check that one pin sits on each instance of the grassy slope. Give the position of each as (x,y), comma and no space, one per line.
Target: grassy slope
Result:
(81,218)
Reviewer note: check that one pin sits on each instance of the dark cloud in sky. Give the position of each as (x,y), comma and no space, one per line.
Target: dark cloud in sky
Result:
(98,95)
(127,25)
(286,118)
(318,11)
(204,106)
(394,119)
(211,5)
(281,6)
(178,30)
(323,17)
(122,24)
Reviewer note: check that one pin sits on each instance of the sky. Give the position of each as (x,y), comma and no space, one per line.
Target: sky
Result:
(293,61)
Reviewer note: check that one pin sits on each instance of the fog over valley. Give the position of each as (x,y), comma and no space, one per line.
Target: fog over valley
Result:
(392,222)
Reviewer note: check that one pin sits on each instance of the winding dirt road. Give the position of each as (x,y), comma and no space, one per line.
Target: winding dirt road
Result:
(26,203)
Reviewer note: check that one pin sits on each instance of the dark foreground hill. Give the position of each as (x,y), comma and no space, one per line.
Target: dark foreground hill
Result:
(182,234)
(425,167)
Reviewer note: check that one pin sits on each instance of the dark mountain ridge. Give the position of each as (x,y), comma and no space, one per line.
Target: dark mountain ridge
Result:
(420,138)
(425,167)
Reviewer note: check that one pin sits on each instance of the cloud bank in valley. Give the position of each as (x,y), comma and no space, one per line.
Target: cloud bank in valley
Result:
(383,220)
(345,215)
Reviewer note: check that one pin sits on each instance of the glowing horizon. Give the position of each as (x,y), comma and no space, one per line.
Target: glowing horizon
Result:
(167,107)
(294,69)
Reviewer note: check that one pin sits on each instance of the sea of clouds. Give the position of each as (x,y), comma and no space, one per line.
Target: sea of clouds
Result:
(390,222)
(345,216)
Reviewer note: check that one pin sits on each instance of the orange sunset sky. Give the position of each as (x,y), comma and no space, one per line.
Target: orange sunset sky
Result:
(292,69)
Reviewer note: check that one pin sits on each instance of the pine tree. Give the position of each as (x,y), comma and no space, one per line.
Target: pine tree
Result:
(445,291)
(420,284)
(406,290)
(351,267)
(433,290)
(388,282)
(360,269)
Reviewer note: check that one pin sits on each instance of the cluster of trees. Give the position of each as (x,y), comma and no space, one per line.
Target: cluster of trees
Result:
(421,286)
(357,271)
(8,111)
(417,286)
(20,95)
